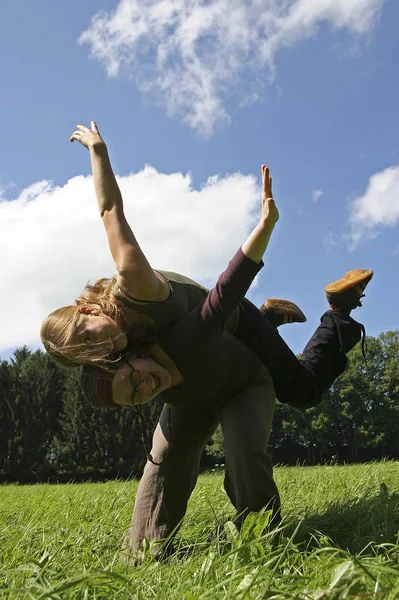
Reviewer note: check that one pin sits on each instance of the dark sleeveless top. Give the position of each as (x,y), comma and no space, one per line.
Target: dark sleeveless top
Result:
(184,295)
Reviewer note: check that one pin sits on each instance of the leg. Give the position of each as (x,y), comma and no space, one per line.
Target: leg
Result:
(301,382)
(325,353)
(246,422)
(258,333)
(164,489)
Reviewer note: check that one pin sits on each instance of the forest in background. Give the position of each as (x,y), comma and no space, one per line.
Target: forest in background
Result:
(50,432)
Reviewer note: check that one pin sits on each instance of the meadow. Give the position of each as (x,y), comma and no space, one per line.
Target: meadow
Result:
(339,539)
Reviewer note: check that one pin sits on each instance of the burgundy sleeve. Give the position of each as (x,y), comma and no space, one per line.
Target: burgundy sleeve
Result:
(229,291)
(208,319)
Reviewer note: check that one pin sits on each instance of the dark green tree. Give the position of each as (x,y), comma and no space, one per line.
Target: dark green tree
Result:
(36,390)
(99,442)
(6,414)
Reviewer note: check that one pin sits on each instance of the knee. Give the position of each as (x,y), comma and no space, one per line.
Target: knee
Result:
(249,460)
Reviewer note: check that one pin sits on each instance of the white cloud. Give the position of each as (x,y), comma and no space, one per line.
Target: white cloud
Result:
(378,207)
(316,195)
(330,239)
(52,239)
(190,53)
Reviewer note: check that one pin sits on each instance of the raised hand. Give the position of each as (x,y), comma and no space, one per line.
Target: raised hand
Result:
(89,138)
(270,213)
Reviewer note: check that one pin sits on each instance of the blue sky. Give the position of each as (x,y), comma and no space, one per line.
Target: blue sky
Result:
(192,97)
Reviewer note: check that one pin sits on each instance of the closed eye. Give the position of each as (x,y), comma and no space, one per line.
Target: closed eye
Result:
(84,338)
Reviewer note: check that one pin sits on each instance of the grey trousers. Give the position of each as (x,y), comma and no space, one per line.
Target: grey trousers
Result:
(164,489)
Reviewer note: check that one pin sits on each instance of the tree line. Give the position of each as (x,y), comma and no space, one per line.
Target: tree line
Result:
(50,432)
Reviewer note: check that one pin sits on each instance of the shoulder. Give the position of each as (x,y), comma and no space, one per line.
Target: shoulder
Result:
(179,279)
(139,289)
(185,290)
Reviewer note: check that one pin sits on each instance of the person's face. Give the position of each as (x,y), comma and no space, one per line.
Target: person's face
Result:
(139,380)
(95,328)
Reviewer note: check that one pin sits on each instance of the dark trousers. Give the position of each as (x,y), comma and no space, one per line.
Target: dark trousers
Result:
(300,382)
(164,489)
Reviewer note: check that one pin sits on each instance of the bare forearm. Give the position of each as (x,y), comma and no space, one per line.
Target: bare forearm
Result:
(107,190)
(128,256)
(257,242)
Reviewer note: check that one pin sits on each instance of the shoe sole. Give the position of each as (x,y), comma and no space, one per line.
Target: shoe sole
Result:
(349,280)
(285,307)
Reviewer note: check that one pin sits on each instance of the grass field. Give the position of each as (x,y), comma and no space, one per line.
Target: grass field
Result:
(340,540)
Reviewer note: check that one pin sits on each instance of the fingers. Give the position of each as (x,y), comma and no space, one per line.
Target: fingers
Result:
(85,129)
(266,183)
(76,136)
(265,174)
(82,130)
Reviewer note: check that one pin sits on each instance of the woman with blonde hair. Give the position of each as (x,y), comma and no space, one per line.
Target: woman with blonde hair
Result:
(123,312)
(70,340)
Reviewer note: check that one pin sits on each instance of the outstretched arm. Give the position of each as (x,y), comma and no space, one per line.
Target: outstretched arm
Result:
(234,282)
(135,274)
(257,242)
(208,319)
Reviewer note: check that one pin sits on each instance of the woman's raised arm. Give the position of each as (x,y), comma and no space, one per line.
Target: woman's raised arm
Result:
(135,275)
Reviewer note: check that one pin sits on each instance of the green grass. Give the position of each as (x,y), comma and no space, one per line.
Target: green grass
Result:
(339,540)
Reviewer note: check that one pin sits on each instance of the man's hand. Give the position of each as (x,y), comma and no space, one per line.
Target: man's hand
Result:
(89,138)
(270,214)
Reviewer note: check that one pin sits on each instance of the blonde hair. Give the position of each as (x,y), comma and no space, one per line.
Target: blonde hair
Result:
(58,330)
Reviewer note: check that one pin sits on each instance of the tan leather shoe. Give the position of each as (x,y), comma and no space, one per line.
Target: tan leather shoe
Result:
(345,293)
(279,312)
